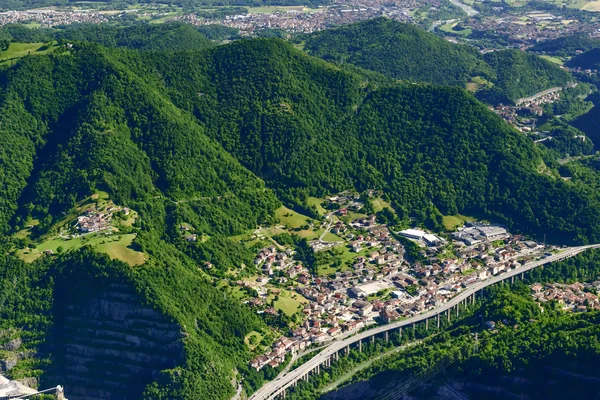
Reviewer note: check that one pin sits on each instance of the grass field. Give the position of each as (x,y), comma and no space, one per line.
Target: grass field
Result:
(379,204)
(451,222)
(451,28)
(18,50)
(289,302)
(291,218)
(314,201)
(554,60)
(331,237)
(346,256)
(113,246)
(477,83)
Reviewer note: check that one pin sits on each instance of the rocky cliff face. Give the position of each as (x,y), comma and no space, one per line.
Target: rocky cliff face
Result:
(108,345)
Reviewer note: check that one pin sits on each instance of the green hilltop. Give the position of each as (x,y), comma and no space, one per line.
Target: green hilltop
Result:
(405,52)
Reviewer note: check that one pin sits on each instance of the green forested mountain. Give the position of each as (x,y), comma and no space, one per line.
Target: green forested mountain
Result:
(168,37)
(209,138)
(83,122)
(406,52)
(354,134)
(519,74)
(401,51)
(566,45)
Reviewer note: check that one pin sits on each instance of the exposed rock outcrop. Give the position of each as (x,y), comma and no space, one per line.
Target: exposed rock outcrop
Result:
(110,345)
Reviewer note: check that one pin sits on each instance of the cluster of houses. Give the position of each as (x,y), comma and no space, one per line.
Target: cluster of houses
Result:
(97,221)
(574,297)
(381,286)
(270,259)
(48,18)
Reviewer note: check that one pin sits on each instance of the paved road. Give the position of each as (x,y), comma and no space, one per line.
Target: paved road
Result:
(272,389)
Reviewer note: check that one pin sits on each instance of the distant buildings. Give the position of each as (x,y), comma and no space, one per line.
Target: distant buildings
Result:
(480,233)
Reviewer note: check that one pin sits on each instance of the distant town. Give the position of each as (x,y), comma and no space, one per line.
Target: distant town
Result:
(487,27)
(381,285)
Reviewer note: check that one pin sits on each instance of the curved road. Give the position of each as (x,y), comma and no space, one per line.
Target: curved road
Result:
(274,388)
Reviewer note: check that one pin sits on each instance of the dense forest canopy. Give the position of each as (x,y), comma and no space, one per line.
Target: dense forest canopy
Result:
(405,52)
(566,45)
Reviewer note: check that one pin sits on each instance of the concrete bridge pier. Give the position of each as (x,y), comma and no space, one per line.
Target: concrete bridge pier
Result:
(318,369)
(387,337)
(360,345)
(457,310)
(512,279)
(438,321)
(372,339)
(347,349)
(414,327)
(427,324)
(448,314)
(522,275)
(400,331)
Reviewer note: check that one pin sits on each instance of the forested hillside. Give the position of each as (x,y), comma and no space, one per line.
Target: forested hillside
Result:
(214,139)
(318,129)
(401,51)
(588,60)
(113,132)
(566,45)
(167,37)
(406,52)
(519,74)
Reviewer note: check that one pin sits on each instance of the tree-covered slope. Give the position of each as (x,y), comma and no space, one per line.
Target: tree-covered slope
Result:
(307,126)
(519,74)
(588,60)
(409,53)
(401,51)
(167,37)
(566,45)
(84,123)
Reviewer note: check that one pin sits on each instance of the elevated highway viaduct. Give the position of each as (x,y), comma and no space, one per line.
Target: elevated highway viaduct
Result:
(278,387)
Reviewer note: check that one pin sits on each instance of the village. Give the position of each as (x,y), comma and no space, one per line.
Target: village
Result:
(577,297)
(381,283)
